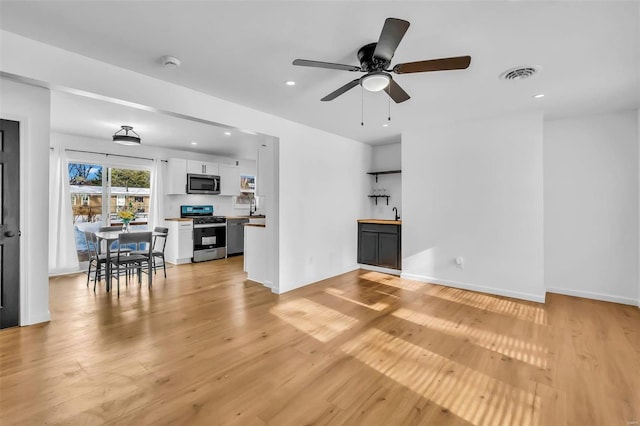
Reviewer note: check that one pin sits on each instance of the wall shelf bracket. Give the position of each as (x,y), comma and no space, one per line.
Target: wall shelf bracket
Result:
(380,196)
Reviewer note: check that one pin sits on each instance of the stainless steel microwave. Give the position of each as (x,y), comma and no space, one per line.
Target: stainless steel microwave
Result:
(203,184)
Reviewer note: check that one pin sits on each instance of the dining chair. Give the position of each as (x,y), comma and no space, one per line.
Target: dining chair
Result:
(96,260)
(159,244)
(114,228)
(125,261)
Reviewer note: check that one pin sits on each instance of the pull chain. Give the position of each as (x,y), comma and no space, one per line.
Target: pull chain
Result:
(361,106)
(389,105)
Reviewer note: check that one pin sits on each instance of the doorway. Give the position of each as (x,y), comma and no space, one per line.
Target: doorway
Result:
(9,223)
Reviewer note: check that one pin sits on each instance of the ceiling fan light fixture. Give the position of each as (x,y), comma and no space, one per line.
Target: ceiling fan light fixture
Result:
(126,136)
(375,82)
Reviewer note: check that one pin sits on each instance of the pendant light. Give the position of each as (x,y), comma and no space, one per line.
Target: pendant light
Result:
(126,136)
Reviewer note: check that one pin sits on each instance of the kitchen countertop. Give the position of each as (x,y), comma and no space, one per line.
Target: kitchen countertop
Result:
(255,216)
(179,219)
(259,225)
(381,221)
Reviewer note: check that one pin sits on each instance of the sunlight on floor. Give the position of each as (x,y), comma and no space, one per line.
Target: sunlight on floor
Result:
(378,306)
(495,304)
(318,321)
(472,396)
(522,350)
(393,281)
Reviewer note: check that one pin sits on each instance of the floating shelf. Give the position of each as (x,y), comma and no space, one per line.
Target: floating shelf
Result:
(380,196)
(386,172)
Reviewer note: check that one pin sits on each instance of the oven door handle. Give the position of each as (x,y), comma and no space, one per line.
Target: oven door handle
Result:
(209,225)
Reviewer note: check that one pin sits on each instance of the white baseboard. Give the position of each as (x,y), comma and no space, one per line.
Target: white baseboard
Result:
(474,287)
(595,296)
(381,270)
(39,318)
(60,272)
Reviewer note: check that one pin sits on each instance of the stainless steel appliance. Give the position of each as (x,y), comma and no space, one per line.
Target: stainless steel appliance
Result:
(209,233)
(235,236)
(203,184)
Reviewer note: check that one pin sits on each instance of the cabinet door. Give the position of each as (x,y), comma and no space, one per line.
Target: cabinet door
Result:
(229,180)
(196,167)
(388,250)
(211,169)
(368,248)
(176,180)
(202,167)
(264,170)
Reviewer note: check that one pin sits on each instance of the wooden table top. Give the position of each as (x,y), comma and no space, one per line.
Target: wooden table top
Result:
(381,221)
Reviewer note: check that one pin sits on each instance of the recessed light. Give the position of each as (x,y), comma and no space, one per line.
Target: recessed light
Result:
(194,143)
(539,95)
(227,133)
(385,125)
(290,83)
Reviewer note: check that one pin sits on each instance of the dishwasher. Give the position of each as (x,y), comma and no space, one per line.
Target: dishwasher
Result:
(235,236)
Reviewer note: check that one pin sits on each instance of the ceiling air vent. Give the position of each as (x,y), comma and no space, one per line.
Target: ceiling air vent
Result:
(519,73)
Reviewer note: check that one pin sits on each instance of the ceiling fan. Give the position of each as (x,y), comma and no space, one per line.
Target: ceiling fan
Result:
(376,57)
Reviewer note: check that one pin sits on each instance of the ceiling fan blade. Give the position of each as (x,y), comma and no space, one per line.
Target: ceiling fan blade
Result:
(444,64)
(390,37)
(329,65)
(350,85)
(396,92)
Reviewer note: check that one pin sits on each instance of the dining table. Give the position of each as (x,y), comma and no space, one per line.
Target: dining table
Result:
(110,237)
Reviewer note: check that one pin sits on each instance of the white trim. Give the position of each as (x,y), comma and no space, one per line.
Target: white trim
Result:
(540,298)
(24,314)
(37,319)
(380,269)
(594,296)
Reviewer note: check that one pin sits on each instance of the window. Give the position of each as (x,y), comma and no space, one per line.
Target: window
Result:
(100,202)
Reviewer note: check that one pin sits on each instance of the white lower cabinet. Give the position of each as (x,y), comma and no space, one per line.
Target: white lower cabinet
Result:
(179,241)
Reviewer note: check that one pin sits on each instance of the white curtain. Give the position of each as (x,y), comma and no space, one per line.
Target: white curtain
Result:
(63,256)
(156,210)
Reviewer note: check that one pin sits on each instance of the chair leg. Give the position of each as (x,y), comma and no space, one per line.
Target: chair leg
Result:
(89,273)
(164,266)
(118,275)
(95,278)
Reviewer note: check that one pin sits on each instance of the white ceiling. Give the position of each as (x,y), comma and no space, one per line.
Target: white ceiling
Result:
(589,53)
(98,119)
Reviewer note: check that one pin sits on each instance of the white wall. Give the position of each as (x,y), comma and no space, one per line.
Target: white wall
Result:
(384,158)
(317,170)
(30,106)
(591,206)
(474,190)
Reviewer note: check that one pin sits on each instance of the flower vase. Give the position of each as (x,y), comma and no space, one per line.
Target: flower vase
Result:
(125,227)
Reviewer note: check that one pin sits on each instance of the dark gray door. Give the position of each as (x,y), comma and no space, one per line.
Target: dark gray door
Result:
(9,222)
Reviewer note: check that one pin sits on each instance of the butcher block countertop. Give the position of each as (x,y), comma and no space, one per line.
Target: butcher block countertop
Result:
(259,225)
(255,216)
(381,221)
(179,219)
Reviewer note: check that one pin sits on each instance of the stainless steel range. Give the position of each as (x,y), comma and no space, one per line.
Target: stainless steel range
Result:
(209,232)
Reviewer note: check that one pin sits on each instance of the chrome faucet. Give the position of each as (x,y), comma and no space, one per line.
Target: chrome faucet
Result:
(395,209)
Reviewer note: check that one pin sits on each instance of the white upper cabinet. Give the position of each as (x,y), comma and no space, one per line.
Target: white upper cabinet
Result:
(176,182)
(265,165)
(202,168)
(229,180)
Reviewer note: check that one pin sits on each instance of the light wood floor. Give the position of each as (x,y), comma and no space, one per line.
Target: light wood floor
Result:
(205,346)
